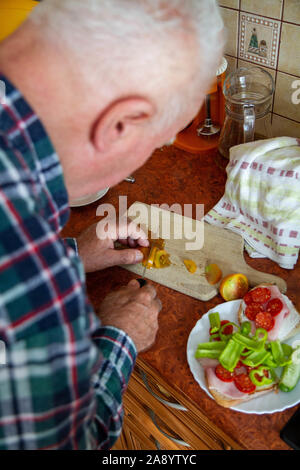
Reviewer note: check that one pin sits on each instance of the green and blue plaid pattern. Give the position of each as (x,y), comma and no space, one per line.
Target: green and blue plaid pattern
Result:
(62,384)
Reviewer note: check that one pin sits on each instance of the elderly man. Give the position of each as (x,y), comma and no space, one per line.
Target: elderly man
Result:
(92,88)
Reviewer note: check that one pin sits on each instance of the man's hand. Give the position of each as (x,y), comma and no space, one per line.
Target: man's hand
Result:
(134,310)
(96,247)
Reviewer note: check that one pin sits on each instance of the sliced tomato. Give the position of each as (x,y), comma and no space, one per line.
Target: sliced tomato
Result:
(274,306)
(240,368)
(264,320)
(252,310)
(261,295)
(244,384)
(248,298)
(224,374)
(229,329)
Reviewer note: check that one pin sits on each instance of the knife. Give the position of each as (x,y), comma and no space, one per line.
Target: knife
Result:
(142,281)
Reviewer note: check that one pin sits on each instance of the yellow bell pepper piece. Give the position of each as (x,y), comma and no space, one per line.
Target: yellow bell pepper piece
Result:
(190,265)
(162,259)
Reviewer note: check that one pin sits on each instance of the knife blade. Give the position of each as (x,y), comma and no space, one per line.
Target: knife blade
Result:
(142,281)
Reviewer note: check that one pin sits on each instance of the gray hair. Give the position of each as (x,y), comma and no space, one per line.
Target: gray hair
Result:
(139,38)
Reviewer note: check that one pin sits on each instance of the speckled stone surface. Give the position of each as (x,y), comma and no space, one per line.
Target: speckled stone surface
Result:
(174,176)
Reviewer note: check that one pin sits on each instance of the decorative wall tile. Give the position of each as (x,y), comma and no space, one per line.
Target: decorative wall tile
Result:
(230,18)
(259,39)
(285,102)
(289,55)
(271,8)
(292,11)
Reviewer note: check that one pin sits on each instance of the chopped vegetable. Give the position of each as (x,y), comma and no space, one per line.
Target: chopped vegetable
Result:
(221,345)
(248,298)
(234,286)
(244,384)
(260,376)
(226,329)
(210,350)
(246,328)
(252,310)
(279,356)
(213,273)
(261,295)
(264,320)
(190,265)
(215,322)
(290,377)
(151,257)
(274,306)
(249,343)
(155,255)
(161,259)
(255,358)
(224,374)
(230,355)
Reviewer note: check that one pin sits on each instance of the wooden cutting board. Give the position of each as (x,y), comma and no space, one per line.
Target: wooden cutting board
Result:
(220,246)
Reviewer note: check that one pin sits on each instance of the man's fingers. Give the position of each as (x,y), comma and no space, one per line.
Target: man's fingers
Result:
(130,230)
(134,284)
(130,256)
(143,242)
(146,295)
(158,304)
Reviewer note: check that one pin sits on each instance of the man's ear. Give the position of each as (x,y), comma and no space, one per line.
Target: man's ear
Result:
(122,123)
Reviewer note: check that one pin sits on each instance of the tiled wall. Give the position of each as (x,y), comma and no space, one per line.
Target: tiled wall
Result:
(266,33)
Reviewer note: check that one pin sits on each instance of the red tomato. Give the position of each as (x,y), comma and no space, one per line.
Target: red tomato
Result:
(244,384)
(248,298)
(240,368)
(274,307)
(224,374)
(264,320)
(261,295)
(252,310)
(228,330)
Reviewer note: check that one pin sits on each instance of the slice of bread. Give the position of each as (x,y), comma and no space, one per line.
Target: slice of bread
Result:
(291,323)
(228,402)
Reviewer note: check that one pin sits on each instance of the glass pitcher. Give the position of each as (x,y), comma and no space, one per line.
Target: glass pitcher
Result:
(248,96)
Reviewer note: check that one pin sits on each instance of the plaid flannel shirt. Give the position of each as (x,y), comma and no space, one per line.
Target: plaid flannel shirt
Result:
(64,375)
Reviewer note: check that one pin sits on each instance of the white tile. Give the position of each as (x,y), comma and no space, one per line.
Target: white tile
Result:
(230,18)
(289,55)
(291,11)
(287,95)
(271,8)
(282,127)
(229,3)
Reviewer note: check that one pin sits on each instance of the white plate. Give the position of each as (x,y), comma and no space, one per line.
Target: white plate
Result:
(84,201)
(269,403)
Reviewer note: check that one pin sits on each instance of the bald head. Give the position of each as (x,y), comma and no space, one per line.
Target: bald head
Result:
(112,80)
(150,42)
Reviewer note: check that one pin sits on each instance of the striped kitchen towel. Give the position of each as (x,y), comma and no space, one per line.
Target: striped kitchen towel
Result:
(262,198)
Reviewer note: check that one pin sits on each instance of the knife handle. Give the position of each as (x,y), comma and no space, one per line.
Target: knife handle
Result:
(142,282)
